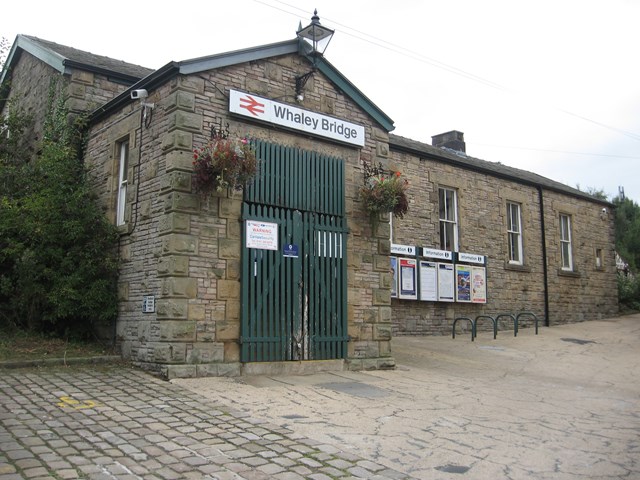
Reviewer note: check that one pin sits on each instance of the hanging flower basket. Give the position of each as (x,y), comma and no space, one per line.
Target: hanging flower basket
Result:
(384,193)
(223,163)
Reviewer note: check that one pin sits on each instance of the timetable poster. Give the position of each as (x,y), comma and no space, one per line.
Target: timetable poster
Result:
(408,287)
(394,280)
(428,281)
(479,285)
(463,283)
(446,283)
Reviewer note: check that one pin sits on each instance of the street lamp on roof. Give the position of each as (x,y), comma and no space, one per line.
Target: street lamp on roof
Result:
(317,38)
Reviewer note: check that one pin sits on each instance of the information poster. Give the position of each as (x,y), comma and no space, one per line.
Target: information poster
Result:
(262,235)
(408,287)
(463,283)
(394,272)
(428,281)
(478,285)
(446,283)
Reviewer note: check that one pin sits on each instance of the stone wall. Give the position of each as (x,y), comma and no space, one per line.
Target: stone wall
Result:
(588,293)
(30,83)
(30,79)
(185,249)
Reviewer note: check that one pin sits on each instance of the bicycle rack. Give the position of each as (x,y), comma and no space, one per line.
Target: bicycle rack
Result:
(453,333)
(531,314)
(515,322)
(474,330)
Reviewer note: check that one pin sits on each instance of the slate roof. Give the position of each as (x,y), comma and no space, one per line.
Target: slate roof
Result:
(494,169)
(92,60)
(61,57)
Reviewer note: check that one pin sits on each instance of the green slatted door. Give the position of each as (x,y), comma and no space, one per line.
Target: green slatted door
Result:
(294,307)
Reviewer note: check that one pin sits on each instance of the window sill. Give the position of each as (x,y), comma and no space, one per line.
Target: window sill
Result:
(124,229)
(517,268)
(569,273)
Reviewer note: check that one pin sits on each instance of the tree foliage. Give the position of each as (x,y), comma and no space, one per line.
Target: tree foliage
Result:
(627,227)
(58,261)
(4,51)
(627,232)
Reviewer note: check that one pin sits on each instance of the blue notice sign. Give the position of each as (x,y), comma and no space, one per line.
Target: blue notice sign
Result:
(290,251)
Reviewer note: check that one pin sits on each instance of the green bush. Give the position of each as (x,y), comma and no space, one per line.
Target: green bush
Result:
(58,255)
(629,292)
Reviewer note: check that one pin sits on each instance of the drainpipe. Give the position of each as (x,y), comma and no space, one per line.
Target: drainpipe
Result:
(544,258)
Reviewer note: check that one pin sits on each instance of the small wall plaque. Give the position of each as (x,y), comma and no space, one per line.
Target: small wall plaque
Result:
(148,304)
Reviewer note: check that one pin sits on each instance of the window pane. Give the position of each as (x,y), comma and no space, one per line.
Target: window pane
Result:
(564,227)
(124,155)
(566,255)
(514,247)
(446,237)
(515,218)
(451,205)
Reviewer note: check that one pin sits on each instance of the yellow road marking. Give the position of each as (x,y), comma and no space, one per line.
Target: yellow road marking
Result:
(70,402)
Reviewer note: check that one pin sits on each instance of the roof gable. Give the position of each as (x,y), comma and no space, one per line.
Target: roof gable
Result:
(212,62)
(63,58)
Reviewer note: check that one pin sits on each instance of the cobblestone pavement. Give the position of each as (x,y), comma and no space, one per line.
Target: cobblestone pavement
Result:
(118,423)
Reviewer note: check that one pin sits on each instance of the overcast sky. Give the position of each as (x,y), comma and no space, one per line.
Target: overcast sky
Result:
(549,86)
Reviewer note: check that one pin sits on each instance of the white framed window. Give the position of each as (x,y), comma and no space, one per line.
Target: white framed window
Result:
(123,166)
(448,203)
(566,256)
(514,233)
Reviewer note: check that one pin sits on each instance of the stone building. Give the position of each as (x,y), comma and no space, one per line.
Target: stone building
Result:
(536,245)
(34,67)
(292,273)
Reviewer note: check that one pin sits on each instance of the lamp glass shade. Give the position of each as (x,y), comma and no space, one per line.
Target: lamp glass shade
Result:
(317,36)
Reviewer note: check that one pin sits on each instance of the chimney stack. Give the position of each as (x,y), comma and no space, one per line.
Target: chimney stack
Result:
(453,140)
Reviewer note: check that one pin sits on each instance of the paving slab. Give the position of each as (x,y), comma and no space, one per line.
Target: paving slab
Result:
(564,404)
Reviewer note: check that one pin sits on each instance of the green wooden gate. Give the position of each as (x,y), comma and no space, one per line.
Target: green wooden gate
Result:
(294,299)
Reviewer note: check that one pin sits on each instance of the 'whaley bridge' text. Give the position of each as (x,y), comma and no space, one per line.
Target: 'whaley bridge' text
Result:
(326,124)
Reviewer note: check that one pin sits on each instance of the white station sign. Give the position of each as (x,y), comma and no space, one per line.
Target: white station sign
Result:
(471,258)
(403,249)
(439,254)
(259,108)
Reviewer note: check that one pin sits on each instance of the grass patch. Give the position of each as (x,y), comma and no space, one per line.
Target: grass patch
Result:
(21,345)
